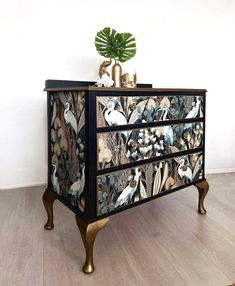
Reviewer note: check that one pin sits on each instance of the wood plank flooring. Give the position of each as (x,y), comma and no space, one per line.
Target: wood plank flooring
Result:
(161,243)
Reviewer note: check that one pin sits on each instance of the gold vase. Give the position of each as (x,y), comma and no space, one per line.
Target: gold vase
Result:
(117,73)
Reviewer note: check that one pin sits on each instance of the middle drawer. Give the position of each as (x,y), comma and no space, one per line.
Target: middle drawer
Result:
(122,147)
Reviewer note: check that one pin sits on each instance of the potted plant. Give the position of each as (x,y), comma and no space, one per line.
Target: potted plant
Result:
(118,46)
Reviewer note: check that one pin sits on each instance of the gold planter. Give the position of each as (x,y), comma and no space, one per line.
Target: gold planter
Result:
(116,74)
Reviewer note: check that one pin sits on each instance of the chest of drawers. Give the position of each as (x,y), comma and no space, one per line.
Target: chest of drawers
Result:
(110,149)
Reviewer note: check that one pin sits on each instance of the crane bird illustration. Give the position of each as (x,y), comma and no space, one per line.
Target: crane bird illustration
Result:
(128,192)
(168,131)
(193,113)
(55,181)
(114,117)
(77,187)
(184,171)
(70,118)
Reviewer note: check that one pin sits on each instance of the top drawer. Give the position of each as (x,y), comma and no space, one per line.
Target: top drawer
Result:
(127,110)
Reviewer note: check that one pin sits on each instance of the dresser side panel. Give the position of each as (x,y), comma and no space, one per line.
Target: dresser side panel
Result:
(67,147)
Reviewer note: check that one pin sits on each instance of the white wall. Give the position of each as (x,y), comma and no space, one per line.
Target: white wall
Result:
(189,44)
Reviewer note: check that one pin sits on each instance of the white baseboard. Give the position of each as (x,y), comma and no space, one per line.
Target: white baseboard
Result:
(19,186)
(218,171)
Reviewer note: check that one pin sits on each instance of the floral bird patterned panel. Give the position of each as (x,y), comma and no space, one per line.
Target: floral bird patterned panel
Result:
(125,110)
(125,187)
(67,146)
(121,147)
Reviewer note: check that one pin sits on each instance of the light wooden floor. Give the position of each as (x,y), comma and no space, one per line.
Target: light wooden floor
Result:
(161,243)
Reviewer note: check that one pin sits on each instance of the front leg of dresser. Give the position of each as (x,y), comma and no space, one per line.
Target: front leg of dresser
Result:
(203,188)
(88,234)
(48,201)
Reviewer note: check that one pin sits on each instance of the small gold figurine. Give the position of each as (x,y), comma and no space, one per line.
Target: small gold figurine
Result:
(129,80)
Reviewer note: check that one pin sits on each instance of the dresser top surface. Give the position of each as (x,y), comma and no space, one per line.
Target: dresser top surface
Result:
(116,89)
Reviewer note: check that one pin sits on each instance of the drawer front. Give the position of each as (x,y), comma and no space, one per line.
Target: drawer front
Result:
(121,188)
(126,110)
(126,146)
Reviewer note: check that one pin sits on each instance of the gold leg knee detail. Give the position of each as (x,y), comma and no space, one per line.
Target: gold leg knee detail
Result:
(88,234)
(203,188)
(48,201)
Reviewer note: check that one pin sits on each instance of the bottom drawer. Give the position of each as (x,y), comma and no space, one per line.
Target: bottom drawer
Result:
(127,186)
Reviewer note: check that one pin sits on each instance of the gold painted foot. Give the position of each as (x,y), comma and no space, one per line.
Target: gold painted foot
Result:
(48,201)
(203,188)
(88,233)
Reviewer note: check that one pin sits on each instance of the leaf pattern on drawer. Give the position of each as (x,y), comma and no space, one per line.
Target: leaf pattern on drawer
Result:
(125,187)
(125,110)
(121,147)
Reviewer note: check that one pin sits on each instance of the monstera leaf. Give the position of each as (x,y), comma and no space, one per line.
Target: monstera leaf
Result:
(126,46)
(105,42)
(111,44)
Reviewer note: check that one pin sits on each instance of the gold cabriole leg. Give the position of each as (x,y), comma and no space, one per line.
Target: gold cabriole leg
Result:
(48,201)
(203,188)
(88,233)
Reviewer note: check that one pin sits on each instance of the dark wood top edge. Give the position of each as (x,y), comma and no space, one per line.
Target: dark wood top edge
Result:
(58,83)
(95,88)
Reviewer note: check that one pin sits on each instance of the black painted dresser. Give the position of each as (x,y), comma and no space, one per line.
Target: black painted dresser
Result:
(110,149)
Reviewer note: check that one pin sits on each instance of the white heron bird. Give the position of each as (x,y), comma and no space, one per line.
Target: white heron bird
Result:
(77,187)
(114,117)
(129,191)
(70,118)
(168,131)
(55,181)
(193,112)
(184,171)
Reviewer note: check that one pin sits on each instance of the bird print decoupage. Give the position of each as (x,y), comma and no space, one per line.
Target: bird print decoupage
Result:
(68,145)
(127,186)
(125,110)
(121,147)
